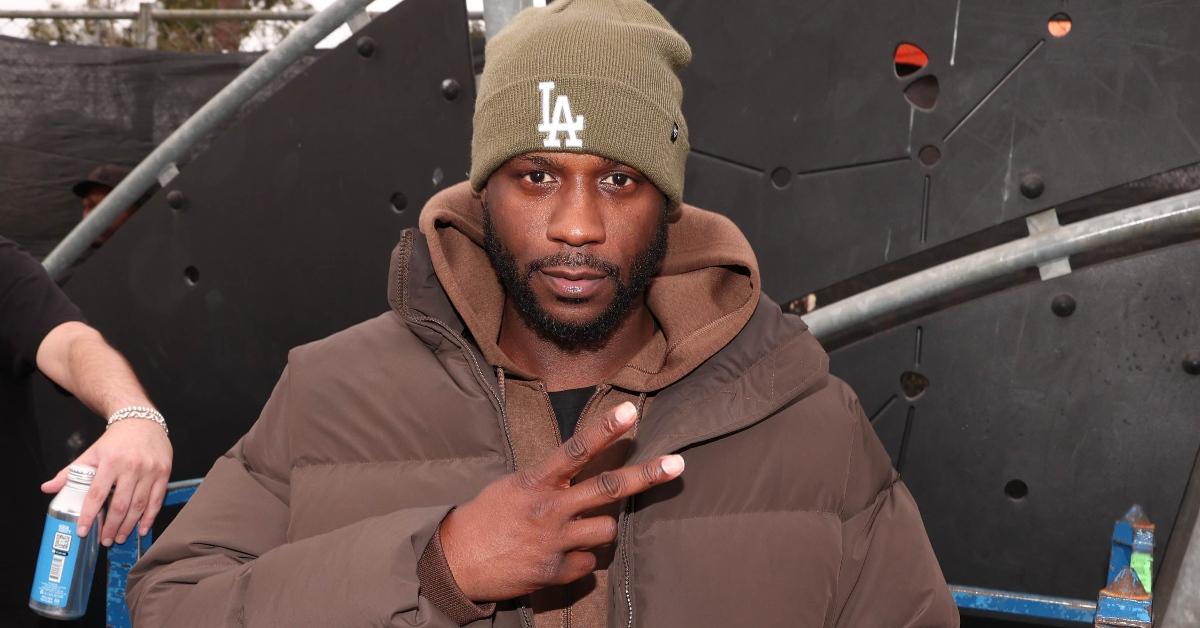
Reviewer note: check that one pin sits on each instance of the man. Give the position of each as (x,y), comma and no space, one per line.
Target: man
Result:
(99,182)
(507,445)
(40,329)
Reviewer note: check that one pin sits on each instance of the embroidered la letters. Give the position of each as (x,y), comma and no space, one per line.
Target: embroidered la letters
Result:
(561,122)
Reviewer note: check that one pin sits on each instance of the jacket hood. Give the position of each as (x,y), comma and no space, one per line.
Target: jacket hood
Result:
(706,290)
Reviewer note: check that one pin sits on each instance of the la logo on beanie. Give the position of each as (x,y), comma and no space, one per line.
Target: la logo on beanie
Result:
(561,122)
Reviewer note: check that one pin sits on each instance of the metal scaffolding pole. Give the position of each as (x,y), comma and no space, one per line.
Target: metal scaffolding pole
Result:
(498,13)
(213,113)
(1156,217)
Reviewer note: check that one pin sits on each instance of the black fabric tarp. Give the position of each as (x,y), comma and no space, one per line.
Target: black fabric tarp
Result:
(66,109)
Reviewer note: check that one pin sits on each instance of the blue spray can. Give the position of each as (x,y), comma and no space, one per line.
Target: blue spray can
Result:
(66,561)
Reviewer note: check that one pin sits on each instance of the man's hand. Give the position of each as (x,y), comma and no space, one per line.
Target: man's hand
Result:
(524,532)
(135,455)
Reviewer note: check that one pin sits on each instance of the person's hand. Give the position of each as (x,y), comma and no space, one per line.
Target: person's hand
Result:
(524,531)
(136,456)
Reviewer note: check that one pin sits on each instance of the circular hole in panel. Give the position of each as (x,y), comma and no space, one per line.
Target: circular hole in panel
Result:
(191,275)
(923,93)
(929,155)
(1016,490)
(909,59)
(1059,25)
(913,384)
(781,177)
(1191,365)
(399,202)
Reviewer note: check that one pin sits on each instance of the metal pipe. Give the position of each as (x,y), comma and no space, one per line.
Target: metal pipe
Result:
(195,128)
(1151,218)
(1016,605)
(180,491)
(498,13)
(161,15)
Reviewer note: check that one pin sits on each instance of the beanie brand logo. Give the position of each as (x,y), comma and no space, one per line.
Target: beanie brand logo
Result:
(561,122)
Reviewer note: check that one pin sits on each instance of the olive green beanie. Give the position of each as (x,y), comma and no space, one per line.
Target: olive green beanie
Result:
(587,76)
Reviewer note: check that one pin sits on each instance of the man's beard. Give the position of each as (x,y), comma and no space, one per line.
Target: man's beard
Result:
(590,335)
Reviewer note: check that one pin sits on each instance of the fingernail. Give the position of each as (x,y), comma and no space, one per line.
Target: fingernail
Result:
(626,413)
(106,542)
(120,539)
(672,465)
(81,531)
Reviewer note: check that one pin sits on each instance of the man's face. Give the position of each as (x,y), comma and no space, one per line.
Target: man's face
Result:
(90,200)
(575,239)
(94,195)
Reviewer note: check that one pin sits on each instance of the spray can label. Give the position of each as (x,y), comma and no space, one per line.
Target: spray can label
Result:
(56,563)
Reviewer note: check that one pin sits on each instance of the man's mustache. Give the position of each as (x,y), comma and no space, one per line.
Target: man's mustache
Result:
(576,258)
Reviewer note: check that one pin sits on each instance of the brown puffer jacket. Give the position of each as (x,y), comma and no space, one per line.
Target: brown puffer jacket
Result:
(789,513)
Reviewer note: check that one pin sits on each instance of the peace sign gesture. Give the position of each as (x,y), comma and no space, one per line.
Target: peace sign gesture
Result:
(525,531)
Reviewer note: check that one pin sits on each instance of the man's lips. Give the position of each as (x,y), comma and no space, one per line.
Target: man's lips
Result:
(571,273)
(572,283)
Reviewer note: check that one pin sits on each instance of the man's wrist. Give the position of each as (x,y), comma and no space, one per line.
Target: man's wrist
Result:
(439,586)
(140,412)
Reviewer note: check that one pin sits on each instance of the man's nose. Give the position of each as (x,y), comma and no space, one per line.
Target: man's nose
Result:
(576,219)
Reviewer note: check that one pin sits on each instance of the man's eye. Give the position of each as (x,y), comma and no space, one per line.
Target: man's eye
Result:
(619,179)
(536,177)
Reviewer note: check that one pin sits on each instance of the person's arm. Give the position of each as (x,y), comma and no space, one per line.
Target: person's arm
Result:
(889,575)
(133,454)
(226,559)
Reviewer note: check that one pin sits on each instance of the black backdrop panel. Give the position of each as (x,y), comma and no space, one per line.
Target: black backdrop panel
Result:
(804,136)
(285,236)
(810,87)
(1090,413)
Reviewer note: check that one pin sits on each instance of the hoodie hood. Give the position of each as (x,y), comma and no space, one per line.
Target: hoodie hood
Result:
(705,292)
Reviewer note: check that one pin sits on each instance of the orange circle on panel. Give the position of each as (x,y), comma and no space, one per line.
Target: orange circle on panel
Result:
(909,59)
(1059,25)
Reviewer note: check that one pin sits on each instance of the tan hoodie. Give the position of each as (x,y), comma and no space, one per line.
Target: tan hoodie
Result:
(326,512)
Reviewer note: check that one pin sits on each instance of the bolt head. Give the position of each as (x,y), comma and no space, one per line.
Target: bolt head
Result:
(365,46)
(1063,305)
(176,199)
(450,89)
(1191,365)
(1032,185)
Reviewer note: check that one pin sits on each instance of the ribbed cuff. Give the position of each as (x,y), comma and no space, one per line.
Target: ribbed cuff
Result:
(438,586)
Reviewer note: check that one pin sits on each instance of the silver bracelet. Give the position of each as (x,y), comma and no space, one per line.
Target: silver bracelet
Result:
(138,412)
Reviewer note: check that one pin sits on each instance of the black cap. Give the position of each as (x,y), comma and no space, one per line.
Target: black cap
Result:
(108,175)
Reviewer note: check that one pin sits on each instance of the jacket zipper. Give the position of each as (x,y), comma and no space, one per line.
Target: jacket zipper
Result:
(623,536)
(497,397)
(623,544)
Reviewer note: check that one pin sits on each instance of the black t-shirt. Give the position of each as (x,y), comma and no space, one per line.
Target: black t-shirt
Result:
(568,405)
(30,306)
